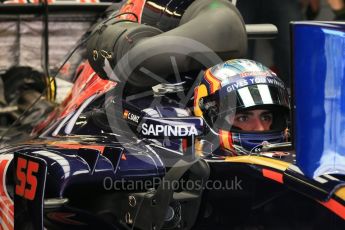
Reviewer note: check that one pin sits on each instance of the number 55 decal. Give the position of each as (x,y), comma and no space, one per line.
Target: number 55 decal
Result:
(26,178)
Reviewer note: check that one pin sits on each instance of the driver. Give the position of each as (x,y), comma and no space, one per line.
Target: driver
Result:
(245,103)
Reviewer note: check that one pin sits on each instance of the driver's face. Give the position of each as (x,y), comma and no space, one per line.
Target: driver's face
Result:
(252,120)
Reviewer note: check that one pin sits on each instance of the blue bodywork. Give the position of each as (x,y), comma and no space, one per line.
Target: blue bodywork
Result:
(319,93)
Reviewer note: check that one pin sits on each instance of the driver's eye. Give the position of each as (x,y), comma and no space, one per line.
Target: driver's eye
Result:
(242,118)
(267,117)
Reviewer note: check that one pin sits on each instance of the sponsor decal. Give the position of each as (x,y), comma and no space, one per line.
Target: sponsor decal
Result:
(254,80)
(257,73)
(168,130)
(131,116)
(238,84)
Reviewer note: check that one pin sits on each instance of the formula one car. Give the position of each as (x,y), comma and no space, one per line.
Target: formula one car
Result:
(122,151)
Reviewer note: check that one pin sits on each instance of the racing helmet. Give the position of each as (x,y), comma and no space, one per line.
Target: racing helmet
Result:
(237,86)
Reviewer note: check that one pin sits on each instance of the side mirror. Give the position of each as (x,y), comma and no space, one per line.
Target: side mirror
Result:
(182,127)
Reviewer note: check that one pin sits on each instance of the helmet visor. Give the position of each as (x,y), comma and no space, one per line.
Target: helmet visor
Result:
(272,98)
(253,96)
